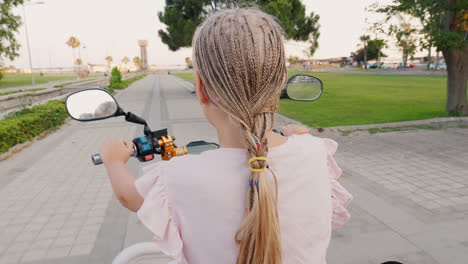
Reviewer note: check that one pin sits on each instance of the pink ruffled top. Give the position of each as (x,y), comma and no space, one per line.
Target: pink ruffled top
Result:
(194,204)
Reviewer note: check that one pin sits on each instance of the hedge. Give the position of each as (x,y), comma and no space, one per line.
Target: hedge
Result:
(24,125)
(28,123)
(122,84)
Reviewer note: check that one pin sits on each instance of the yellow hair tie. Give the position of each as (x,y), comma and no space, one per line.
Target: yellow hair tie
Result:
(256,159)
(257,170)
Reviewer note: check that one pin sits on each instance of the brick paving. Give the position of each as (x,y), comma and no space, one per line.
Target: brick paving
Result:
(56,208)
(411,197)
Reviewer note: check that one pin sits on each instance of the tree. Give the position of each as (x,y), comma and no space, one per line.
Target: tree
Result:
(182,18)
(125,60)
(365,39)
(9,25)
(445,27)
(293,59)
(406,38)
(189,62)
(379,44)
(374,51)
(109,60)
(78,61)
(73,43)
(137,62)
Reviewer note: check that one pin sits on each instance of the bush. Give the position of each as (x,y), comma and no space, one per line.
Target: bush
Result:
(123,83)
(129,81)
(119,86)
(110,90)
(116,79)
(24,125)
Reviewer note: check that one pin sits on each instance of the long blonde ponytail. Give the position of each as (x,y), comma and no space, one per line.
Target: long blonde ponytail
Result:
(239,54)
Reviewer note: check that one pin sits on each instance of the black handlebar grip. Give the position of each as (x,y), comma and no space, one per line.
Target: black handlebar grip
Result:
(96,158)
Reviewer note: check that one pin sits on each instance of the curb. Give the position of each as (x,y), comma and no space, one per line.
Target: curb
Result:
(188,85)
(288,120)
(404,123)
(380,125)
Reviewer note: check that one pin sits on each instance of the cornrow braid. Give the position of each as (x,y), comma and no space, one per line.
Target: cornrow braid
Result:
(239,55)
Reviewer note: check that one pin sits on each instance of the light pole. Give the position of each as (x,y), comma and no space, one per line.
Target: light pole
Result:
(27,36)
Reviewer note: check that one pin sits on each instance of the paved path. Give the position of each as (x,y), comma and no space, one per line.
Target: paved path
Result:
(55,206)
(410,189)
(411,197)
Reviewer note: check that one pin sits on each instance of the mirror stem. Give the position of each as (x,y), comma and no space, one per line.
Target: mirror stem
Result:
(120,112)
(130,117)
(147,130)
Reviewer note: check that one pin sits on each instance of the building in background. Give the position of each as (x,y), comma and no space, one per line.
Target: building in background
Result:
(144,53)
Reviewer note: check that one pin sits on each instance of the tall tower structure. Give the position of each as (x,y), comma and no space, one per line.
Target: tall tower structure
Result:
(144,53)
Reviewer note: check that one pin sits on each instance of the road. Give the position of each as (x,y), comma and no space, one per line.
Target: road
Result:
(410,188)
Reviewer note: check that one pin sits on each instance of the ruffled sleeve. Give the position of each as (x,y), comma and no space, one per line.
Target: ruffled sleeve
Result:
(156,212)
(340,196)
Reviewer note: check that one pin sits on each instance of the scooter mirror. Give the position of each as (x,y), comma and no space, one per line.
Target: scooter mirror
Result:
(303,87)
(91,104)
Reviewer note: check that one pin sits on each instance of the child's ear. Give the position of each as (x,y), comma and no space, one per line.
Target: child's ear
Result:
(200,89)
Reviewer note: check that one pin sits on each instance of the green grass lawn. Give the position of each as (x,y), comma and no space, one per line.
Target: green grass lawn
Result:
(185,75)
(79,81)
(357,99)
(11,80)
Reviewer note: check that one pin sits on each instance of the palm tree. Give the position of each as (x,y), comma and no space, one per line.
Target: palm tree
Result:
(189,62)
(137,62)
(109,60)
(73,43)
(293,59)
(125,60)
(379,44)
(365,39)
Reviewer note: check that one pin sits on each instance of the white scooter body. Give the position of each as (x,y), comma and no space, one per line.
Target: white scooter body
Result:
(141,253)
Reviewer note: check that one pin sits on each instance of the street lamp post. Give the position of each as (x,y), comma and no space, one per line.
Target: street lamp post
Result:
(27,37)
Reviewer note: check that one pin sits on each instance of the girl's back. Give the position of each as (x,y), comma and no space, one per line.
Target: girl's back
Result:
(205,210)
(248,202)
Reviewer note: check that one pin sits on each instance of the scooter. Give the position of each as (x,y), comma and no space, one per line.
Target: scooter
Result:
(97,104)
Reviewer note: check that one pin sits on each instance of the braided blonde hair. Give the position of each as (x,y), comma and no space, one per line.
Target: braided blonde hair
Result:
(239,55)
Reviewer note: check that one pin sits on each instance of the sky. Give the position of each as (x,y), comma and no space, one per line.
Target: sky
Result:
(113,27)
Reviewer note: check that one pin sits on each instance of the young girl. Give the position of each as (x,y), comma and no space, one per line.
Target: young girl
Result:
(260,198)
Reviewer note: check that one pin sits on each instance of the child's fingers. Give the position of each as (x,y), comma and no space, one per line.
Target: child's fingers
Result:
(128,146)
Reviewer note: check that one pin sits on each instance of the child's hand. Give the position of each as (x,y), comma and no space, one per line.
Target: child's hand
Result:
(116,151)
(289,130)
